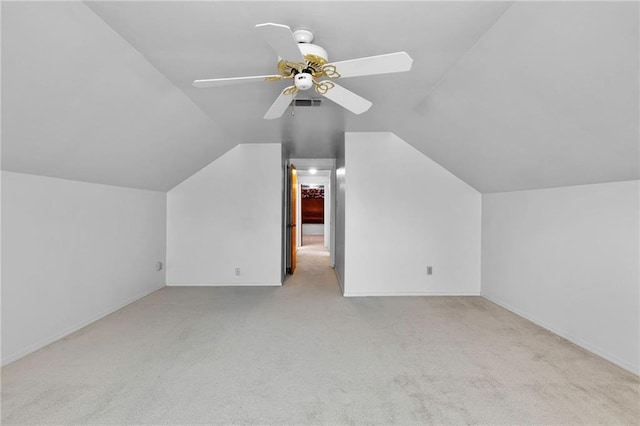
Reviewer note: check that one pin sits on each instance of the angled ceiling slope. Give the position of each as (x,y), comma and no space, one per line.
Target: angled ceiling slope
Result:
(547,98)
(78,102)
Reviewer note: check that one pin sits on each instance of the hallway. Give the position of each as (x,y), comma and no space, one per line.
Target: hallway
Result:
(313,266)
(303,354)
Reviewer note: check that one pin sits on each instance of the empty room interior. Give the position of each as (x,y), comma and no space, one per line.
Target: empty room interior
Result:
(296,212)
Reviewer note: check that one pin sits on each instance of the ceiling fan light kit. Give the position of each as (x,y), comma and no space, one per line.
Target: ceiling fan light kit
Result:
(303,81)
(306,64)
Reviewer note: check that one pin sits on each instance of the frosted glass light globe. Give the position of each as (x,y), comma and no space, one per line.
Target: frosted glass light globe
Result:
(303,81)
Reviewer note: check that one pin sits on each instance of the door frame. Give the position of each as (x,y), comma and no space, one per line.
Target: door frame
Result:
(324,181)
(320,164)
(290,213)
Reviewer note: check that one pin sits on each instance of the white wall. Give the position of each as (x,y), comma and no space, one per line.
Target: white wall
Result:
(567,259)
(227,216)
(339,198)
(73,252)
(312,229)
(404,212)
(327,215)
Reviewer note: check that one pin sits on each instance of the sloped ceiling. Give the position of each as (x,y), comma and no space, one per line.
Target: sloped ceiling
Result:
(505,95)
(548,97)
(79,103)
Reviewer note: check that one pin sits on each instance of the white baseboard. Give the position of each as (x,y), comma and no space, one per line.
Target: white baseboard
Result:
(635,369)
(64,333)
(417,293)
(224,284)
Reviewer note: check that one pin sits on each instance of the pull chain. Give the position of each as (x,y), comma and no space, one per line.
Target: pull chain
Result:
(293,104)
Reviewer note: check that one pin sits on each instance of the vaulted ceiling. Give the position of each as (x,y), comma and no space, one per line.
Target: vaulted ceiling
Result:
(505,95)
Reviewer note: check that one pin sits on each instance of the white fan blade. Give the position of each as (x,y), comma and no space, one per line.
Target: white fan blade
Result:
(216,82)
(372,65)
(279,106)
(280,38)
(347,99)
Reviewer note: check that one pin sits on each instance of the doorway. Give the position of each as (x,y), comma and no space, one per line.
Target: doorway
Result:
(314,179)
(312,213)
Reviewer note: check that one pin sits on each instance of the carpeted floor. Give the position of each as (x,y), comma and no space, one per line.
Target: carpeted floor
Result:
(308,240)
(302,354)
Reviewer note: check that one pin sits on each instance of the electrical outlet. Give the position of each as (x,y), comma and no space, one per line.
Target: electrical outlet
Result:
(429,270)
(237,271)
(159,266)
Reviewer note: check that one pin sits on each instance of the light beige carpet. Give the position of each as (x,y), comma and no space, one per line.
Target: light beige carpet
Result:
(302,354)
(308,240)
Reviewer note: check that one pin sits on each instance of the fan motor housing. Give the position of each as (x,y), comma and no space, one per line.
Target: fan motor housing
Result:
(309,49)
(303,35)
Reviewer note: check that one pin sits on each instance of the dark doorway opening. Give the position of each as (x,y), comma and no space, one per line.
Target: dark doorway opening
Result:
(312,214)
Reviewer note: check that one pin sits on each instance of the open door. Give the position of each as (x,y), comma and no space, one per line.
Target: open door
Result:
(293,179)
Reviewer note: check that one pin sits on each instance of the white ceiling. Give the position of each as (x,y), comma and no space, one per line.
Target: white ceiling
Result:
(549,97)
(78,102)
(506,96)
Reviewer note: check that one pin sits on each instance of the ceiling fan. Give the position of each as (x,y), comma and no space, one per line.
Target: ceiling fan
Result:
(307,65)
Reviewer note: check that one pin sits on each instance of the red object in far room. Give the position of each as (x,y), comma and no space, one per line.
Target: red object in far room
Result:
(312,205)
